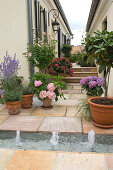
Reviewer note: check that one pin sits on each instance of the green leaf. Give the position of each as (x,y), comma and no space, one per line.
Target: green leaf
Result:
(101,68)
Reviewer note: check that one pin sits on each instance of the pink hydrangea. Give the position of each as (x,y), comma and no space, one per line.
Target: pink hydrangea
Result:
(51,95)
(51,87)
(60,90)
(37,83)
(43,94)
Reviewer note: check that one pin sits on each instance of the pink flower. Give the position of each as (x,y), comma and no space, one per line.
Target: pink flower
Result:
(56,60)
(37,83)
(52,38)
(56,65)
(44,33)
(59,90)
(30,54)
(43,94)
(72,71)
(51,87)
(39,45)
(51,95)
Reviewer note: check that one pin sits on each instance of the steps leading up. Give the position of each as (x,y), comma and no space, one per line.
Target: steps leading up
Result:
(84,74)
(85,69)
(73,83)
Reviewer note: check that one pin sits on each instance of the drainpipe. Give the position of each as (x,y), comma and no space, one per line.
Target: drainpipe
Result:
(30,29)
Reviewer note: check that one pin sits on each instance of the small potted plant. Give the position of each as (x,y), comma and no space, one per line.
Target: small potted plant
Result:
(47,88)
(93,86)
(27,96)
(12,95)
(100,49)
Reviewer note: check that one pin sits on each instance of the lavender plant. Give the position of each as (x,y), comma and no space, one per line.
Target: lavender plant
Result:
(8,67)
(92,85)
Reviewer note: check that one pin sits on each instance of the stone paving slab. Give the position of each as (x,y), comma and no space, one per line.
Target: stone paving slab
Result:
(71,112)
(109,161)
(61,124)
(74,161)
(22,123)
(77,96)
(54,160)
(87,126)
(3,118)
(2,107)
(5,155)
(31,160)
(66,103)
(27,112)
(4,112)
(55,111)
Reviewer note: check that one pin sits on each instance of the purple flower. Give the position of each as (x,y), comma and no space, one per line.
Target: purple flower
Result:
(8,67)
(90,78)
(92,84)
(100,81)
(83,81)
(2,91)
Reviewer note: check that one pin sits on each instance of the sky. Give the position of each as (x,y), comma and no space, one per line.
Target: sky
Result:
(77,12)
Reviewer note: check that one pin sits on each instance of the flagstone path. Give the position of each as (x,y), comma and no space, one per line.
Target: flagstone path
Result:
(61,118)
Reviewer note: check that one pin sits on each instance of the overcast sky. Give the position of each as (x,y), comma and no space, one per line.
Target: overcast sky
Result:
(77,12)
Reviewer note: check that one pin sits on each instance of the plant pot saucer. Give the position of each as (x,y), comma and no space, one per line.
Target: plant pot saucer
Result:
(102,126)
(47,108)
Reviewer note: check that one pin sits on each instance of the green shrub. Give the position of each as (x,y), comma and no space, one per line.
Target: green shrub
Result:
(27,89)
(66,49)
(82,60)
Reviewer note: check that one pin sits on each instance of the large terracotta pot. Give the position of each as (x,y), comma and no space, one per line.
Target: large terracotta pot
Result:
(13,107)
(102,114)
(26,101)
(47,102)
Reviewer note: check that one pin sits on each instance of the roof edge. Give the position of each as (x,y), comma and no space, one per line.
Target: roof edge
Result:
(92,12)
(58,5)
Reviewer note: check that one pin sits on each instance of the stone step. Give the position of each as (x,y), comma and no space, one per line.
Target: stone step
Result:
(73,91)
(85,74)
(85,69)
(72,79)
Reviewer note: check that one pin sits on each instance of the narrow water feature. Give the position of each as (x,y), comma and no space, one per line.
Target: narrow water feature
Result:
(55,141)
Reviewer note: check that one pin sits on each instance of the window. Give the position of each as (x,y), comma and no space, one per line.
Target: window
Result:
(104,24)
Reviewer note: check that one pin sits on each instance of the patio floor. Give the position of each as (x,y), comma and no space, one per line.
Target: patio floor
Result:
(61,118)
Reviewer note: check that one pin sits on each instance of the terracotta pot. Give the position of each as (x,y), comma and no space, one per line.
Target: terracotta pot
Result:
(13,107)
(102,114)
(47,102)
(26,101)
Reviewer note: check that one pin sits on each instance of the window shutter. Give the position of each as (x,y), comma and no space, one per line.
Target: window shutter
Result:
(37,17)
(59,42)
(64,39)
(45,20)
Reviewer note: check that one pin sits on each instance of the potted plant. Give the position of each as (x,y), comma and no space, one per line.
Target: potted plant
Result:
(47,88)
(12,95)
(100,49)
(27,96)
(60,66)
(93,86)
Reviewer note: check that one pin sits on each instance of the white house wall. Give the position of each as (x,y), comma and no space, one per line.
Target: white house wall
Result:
(105,9)
(14,32)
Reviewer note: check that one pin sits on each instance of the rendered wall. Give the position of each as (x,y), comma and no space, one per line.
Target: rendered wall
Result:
(105,10)
(14,32)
